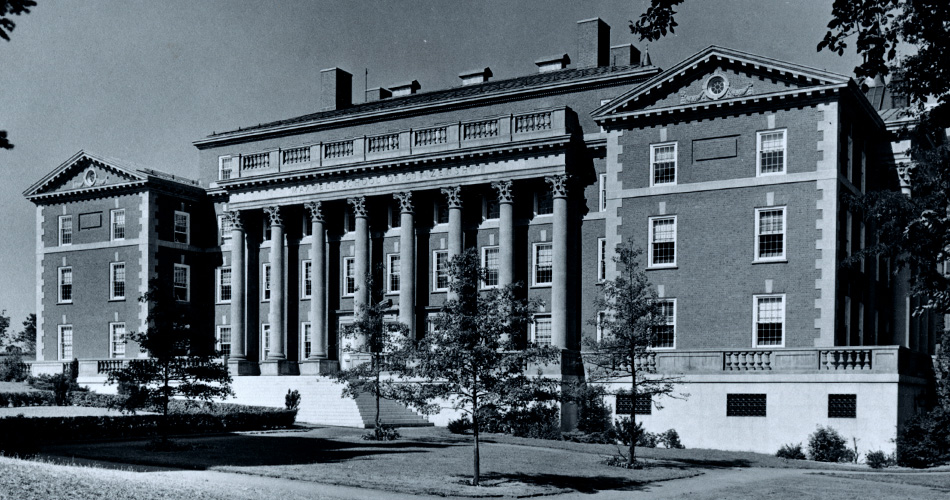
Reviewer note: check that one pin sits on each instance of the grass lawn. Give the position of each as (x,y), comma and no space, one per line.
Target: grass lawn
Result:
(58,411)
(426,461)
(15,387)
(936,480)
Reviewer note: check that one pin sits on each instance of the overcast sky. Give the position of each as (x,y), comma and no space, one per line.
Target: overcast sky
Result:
(140,80)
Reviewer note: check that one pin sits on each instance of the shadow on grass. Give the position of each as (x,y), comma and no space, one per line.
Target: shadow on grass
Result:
(579,484)
(239,450)
(691,463)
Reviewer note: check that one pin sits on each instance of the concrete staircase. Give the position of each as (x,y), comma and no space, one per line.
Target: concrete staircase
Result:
(321,402)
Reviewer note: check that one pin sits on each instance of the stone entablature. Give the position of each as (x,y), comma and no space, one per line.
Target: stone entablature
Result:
(485,132)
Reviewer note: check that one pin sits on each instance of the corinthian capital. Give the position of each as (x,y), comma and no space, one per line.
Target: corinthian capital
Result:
(558,185)
(315,209)
(234,217)
(503,188)
(405,201)
(454,196)
(274,214)
(359,205)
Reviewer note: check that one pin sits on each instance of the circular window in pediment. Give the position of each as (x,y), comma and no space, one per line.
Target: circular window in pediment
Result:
(716,86)
(89,178)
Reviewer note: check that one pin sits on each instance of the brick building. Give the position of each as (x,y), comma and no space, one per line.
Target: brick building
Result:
(730,169)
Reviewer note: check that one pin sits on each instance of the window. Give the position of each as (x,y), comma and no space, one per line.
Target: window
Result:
(601,259)
(265,340)
(662,241)
(440,270)
(225,225)
(395,215)
(625,404)
(117,281)
(603,192)
(541,330)
(265,228)
(349,220)
(307,339)
(392,273)
(182,280)
(490,264)
(182,224)
(842,406)
(664,333)
(66,342)
(745,405)
(441,211)
(117,340)
(492,207)
(770,234)
(118,224)
(65,230)
(771,152)
(307,287)
(223,340)
(543,264)
(663,164)
(265,282)
(349,276)
(544,202)
(307,226)
(65,284)
(769,320)
(602,325)
(224,284)
(225,167)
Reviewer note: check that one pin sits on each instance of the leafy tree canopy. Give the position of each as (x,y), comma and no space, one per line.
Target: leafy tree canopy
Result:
(8,9)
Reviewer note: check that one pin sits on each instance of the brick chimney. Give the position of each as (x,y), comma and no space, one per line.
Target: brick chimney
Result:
(337,89)
(378,93)
(624,55)
(593,43)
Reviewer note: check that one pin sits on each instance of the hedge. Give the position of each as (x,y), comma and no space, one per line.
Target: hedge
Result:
(33,398)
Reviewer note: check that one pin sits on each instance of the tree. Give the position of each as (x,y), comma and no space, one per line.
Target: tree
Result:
(8,9)
(7,339)
(371,336)
(630,323)
(475,356)
(26,338)
(179,364)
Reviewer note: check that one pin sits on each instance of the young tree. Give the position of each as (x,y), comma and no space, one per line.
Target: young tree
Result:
(475,356)
(26,338)
(180,362)
(371,339)
(7,338)
(631,323)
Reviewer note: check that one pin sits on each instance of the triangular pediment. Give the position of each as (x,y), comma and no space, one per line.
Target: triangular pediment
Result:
(714,75)
(85,172)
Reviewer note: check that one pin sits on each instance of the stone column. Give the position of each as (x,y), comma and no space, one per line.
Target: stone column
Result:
(454,196)
(559,313)
(407,262)
(361,265)
(506,233)
(318,297)
(276,362)
(237,361)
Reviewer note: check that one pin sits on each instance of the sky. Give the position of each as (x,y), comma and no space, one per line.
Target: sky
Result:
(141,80)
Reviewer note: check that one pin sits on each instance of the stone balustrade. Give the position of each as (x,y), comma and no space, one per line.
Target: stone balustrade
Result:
(486,132)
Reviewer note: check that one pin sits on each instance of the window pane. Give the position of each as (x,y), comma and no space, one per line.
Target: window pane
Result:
(664,164)
(66,341)
(66,230)
(349,273)
(118,224)
(66,284)
(493,208)
(181,227)
(118,340)
(664,332)
(225,284)
(441,270)
(394,273)
(545,202)
(181,283)
(491,266)
(770,317)
(307,339)
(601,259)
(307,278)
(543,264)
(664,241)
(771,233)
(118,280)
(224,340)
(442,212)
(772,152)
(542,331)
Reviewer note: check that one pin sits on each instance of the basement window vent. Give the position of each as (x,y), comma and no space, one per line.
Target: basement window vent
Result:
(745,405)
(625,404)
(842,406)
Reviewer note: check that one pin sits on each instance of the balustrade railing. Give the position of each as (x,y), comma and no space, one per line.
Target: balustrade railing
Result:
(340,149)
(746,360)
(430,136)
(382,143)
(645,362)
(105,366)
(480,130)
(295,155)
(844,359)
(254,161)
(532,122)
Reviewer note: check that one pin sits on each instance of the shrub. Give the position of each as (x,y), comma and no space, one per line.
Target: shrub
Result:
(826,445)
(382,433)
(96,400)
(925,440)
(590,437)
(593,415)
(647,440)
(292,399)
(34,398)
(670,439)
(791,452)
(879,460)
(460,425)
(13,369)
(644,438)
(537,421)
(621,461)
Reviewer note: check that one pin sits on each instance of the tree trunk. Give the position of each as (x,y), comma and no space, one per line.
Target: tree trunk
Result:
(476,464)
(378,428)
(632,455)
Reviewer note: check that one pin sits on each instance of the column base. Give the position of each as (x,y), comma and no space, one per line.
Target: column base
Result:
(279,367)
(242,367)
(319,366)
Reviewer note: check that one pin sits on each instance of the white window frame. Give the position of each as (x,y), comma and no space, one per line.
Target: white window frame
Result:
(231,159)
(187,270)
(114,225)
(176,232)
(389,273)
(601,317)
(394,215)
(60,347)
(665,265)
(485,250)
(304,326)
(306,277)
(784,256)
(224,228)
(534,328)
(602,193)
(218,343)
(676,166)
(671,301)
(601,260)
(486,204)
(62,230)
(59,284)
(347,293)
(534,264)
(112,280)
(755,319)
(537,202)
(758,152)
(265,282)
(219,285)
(113,343)
(437,206)
(265,340)
(435,270)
